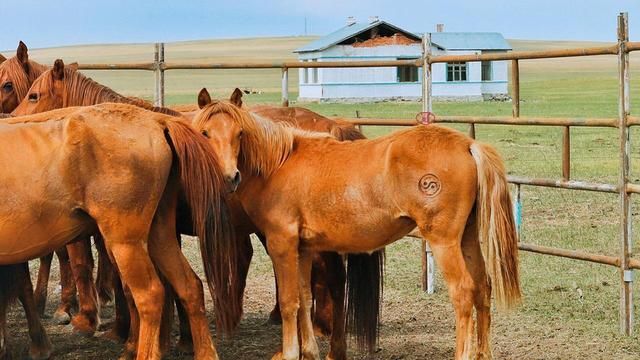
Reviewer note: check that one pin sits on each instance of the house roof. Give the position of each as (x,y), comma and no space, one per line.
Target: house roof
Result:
(443,40)
(348,32)
(470,40)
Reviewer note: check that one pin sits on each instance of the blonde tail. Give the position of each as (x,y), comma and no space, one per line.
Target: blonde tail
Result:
(496,226)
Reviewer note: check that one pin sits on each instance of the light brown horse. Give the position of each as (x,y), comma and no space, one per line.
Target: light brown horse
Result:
(16,76)
(319,194)
(119,170)
(62,86)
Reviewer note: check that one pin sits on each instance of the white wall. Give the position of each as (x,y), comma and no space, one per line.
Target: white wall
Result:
(381,83)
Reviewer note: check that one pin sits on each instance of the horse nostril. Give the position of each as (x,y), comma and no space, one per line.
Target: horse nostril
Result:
(237,178)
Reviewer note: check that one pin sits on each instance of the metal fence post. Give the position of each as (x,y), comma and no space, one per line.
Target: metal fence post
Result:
(428,265)
(285,87)
(158,97)
(626,273)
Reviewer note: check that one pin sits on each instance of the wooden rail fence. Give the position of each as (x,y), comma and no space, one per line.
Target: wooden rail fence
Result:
(623,122)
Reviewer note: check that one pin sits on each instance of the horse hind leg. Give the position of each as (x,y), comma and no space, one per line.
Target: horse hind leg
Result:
(42,285)
(168,258)
(86,321)
(104,276)
(447,251)
(127,245)
(40,346)
(68,300)
(482,288)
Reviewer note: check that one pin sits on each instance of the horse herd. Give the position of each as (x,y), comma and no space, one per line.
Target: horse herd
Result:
(81,161)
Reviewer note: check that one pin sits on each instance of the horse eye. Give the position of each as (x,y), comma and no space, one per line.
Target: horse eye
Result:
(205,133)
(33,97)
(8,86)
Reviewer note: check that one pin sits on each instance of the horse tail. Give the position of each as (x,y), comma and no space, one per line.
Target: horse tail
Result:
(343,130)
(496,225)
(203,187)
(9,283)
(365,275)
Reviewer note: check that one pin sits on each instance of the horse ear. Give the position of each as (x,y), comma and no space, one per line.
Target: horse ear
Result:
(73,66)
(204,98)
(2,59)
(58,70)
(236,98)
(22,53)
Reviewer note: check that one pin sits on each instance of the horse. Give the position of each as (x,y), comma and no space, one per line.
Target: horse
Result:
(119,170)
(79,90)
(16,76)
(356,197)
(61,86)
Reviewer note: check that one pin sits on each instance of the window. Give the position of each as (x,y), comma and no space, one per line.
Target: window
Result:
(407,74)
(305,78)
(486,71)
(457,71)
(312,77)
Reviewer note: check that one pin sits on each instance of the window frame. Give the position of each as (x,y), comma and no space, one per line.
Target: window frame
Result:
(458,71)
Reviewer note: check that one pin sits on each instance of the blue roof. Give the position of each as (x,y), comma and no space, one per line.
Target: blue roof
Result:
(347,32)
(444,40)
(470,40)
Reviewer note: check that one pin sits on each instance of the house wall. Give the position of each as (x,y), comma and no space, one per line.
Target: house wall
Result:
(369,84)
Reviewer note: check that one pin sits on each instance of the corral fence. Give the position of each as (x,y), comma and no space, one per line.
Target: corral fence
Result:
(624,188)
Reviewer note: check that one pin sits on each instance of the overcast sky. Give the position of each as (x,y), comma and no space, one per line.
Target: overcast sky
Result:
(65,22)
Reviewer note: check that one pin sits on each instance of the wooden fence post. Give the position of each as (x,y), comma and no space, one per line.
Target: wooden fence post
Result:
(626,239)
(515,88)
(158,96)
(285,87)
(428,265)
(566,153)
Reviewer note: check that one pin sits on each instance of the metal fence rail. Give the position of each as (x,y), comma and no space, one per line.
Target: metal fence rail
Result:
(623,122)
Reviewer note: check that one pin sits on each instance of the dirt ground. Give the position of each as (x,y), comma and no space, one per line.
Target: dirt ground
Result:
(415,325)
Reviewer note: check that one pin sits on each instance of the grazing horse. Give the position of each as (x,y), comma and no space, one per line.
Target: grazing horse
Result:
(451,187)
(16,76)
(118,170)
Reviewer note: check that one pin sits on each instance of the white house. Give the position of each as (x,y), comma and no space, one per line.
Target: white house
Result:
(379,40)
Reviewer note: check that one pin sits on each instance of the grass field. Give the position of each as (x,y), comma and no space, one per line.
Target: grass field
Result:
(570,309)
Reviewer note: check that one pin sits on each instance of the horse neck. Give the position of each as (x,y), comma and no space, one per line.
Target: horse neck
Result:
(83,91)
(265,147)
(35,70)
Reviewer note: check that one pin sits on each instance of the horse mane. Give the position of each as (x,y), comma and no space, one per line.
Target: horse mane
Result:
(258,134)
(21,80)
(80,90)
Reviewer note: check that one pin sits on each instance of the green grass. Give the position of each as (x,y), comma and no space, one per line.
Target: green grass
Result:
(579,87)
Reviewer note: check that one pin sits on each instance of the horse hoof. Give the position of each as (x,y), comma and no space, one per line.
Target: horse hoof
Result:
(61,318)
(274,320)
(84,326)
(39,354)
(185,346)
(112,335)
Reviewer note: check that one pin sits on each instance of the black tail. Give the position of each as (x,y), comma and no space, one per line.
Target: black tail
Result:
(365,276)
(9,283)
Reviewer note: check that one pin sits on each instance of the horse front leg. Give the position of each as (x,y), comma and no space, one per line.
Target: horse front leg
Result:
(284,255)
(86,321)
(42,285)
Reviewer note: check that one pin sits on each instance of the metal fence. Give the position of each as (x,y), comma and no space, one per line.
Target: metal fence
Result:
(624,188)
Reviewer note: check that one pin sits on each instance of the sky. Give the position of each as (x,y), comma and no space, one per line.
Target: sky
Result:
(48,23)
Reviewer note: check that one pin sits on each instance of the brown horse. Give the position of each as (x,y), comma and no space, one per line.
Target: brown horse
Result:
(119,170)
(61,87)
(451,187)
(16,76)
